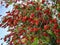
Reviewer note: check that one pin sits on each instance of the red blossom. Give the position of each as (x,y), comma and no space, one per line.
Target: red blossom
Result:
(43,1)
(55,26)
(58,40)
(32,15)
(36,22)
(7,5)
(34,29)
(0,25)
(46,27)
(38,8)
(45,34)
(24,18)
(59,15)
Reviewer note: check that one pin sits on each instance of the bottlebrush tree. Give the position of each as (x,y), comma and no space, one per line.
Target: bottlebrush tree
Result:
(33,23)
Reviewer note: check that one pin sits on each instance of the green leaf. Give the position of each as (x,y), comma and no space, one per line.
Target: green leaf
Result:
(53,0)
(45,40)
(58,9)
(10,3)
(35,41)
(51,33)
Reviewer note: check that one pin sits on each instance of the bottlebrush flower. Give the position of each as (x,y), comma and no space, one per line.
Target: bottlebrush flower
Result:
(54,20)
(57,31)
(36,22)
(0,25)
(16,6)
(58,40)
(59,15)
(38,8)
(45,34)
(7,5)
(55,26)
(34,30)
(32,15)
(32,22)
(46,27)
(15,22)
(32,2)
(11,43)
(24,18)
(43,1)
(47,12)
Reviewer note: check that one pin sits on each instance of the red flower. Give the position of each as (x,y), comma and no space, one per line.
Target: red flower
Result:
(57,31)
(55,26)
(36,22)
(47,12)
(15,22)
(5,38)
(7,5)
(24,18)
(58,40)
(11,43)
(32,22)
(16,6)
(32,3)
(45,34)
(34,29)
(19,17)
(38,8)
(54,20)
(0,25)
(59,15)
(32,15)
(46,27)
(21,32)
(43,1)
(30,19)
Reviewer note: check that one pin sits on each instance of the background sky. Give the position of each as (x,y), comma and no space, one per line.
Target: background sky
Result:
(3,31)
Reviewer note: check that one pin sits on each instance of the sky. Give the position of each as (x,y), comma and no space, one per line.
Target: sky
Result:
(3,31)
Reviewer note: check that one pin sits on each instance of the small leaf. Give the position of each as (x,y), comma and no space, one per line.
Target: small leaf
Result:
(51,33)
(35,41)
(58,9)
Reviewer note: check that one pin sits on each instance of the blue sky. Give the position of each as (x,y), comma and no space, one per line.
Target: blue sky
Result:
(3,31)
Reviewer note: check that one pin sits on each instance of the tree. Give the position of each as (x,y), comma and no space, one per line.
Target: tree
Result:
(33,23)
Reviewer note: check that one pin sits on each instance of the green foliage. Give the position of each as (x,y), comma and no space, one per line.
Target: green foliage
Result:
(36,40)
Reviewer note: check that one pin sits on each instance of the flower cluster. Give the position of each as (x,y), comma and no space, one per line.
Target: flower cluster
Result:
(32,24)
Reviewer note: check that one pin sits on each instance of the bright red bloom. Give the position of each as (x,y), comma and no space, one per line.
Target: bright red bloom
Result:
(43,1)
(24,18)
(32,22)
(36,22)
(46,27)
(34,29)
(55,26)
(45,34)
(58,40)
(38,8)
(54,20)
(59,15)
(7,5)
(0,25)
(47,12)
(32,16)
